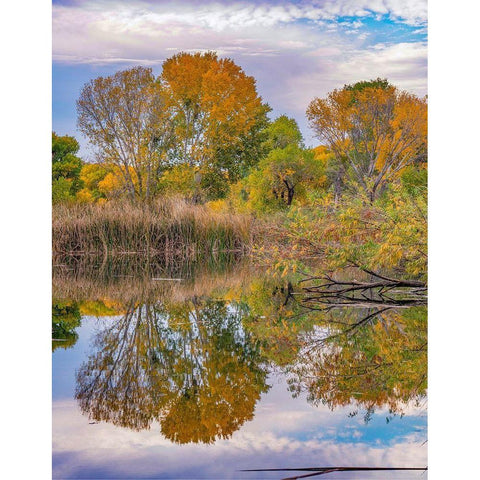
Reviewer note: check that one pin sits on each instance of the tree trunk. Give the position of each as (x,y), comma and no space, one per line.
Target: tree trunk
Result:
(290,192)
(290,195)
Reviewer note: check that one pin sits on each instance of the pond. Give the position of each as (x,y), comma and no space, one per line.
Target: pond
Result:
(194,373)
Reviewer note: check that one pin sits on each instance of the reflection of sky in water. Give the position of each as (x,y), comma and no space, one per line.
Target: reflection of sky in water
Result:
(285,432)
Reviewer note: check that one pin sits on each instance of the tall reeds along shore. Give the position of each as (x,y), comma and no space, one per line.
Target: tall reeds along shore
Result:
(170,227)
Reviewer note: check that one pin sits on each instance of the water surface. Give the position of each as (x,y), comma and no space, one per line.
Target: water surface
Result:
(201,374)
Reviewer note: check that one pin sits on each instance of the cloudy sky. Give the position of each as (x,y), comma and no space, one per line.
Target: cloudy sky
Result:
(296,50)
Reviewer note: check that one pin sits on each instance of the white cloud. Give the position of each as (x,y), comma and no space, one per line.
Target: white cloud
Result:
(295,51)
(403,64)
(86,29)
(284,432)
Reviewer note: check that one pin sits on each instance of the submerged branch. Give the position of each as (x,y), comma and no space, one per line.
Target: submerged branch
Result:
(324,470)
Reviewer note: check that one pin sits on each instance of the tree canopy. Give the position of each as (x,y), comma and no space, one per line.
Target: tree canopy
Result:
(126,117)
(285,172)
(66,167)
(373,129)
(202,112)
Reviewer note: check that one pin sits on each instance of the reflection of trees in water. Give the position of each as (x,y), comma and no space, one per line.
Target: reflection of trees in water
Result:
(66,318)
(189,365)
(196,366)
(351,348)
(369,357)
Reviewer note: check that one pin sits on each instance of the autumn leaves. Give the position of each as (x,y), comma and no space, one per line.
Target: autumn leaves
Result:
(198,107)
(373,129)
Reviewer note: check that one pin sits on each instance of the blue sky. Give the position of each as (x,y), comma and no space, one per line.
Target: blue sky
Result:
(296,50)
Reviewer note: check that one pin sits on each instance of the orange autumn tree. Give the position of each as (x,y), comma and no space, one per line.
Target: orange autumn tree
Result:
(215,106)
(374,131)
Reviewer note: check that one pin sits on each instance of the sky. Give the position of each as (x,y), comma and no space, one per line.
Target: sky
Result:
(295,50)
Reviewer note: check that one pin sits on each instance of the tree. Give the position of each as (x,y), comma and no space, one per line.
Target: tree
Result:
(283,132)
(218,115)
(125,116)
(202,111)
(66,318)
(63,146)
(66,167)
(373,129)
(287,169)
(368,364)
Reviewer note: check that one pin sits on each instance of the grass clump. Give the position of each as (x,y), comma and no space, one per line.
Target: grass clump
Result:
(169,227)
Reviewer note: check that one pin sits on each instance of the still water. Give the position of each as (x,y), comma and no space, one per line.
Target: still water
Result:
(195,375)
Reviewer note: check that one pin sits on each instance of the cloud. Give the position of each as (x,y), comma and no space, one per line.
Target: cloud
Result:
(296,51)
(404,64)
(115,29)
(293,434)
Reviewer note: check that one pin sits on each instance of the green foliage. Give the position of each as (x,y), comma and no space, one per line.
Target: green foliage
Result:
(65,319)
(415,180)
(63,146)
(62,191)
(66,168)
(233,162)
(377,83)
(285,175)
(283,132)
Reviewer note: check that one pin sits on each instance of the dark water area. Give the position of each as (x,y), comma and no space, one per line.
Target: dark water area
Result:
(197,372)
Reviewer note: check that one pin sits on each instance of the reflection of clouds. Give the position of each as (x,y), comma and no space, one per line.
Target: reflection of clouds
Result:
(285,432)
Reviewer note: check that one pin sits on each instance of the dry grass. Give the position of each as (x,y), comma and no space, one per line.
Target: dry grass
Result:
(170,227)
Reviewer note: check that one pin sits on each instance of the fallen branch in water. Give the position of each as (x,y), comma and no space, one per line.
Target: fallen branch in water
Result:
(382,292)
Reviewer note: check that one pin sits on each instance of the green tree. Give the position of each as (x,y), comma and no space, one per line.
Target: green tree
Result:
(66,167)
(282,133)
(285,174)
(66,318)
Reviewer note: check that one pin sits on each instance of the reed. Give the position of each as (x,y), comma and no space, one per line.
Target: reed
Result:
(170,227)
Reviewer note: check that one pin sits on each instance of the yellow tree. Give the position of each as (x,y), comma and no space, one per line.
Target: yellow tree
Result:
(215,106)
(373,129)
(124,115)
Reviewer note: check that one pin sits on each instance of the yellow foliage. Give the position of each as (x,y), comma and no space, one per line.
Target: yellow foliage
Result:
(220,205)
(85,196)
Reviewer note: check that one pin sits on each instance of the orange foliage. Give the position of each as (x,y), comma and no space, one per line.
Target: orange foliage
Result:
(374,132)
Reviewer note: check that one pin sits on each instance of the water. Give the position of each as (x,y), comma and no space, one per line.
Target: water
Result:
(224,371)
